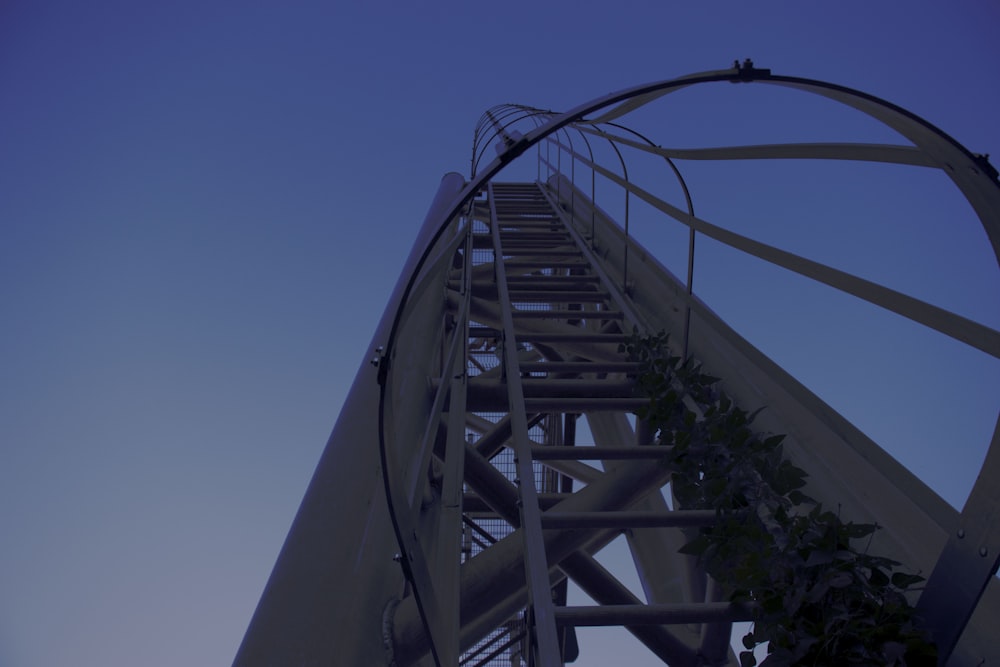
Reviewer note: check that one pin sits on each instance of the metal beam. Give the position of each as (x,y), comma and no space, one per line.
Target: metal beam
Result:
(637,519)
(653,614)
(493,583)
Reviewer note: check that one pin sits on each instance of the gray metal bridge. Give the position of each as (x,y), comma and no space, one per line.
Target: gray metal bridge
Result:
(488,448)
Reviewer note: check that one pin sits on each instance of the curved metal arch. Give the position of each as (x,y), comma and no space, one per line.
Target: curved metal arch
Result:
(593,179)
(492,117)
(500,129)
(572,159)
(621,161)
(972,174)
(691,231)
(485,118)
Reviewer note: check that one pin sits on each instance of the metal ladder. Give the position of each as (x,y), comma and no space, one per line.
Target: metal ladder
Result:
(556,324)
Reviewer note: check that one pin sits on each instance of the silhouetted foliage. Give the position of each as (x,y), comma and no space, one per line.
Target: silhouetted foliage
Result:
(817,598)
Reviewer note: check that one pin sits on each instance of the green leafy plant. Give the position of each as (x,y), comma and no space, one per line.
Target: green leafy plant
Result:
(817,598)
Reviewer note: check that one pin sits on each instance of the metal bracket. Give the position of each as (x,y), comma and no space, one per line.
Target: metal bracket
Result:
(746,72)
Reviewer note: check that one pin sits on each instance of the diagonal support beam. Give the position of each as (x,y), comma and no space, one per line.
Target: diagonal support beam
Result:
(493,583)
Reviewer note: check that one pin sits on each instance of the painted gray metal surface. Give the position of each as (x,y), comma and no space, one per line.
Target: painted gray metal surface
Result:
(843,463)
(335,576)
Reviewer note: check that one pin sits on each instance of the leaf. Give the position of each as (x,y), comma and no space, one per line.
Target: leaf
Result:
(774,440)
(817,593)
(841,580)
(819,557)
(858,530)
(740,595)
(788,478)
(878,577)
(893,651)
(772,604)
(819,600)
(799,498)
(904,580)
(696,547)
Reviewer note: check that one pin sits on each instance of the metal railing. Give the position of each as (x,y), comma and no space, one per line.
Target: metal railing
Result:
(507,121)
(514,129)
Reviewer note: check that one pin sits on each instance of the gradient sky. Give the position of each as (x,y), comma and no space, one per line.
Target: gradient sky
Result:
(204,206)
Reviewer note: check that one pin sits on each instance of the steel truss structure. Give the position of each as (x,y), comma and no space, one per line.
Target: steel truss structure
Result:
(488,447)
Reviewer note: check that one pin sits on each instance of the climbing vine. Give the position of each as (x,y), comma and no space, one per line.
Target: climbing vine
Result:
(819,597)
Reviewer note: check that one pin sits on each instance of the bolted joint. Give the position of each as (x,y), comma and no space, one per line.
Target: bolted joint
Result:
(514,144)
(380,360)
(746,72)
(982,161)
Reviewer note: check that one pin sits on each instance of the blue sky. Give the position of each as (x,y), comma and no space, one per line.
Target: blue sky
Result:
(203,208)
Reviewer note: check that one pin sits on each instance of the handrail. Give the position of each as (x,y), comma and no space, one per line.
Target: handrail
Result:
(970,332)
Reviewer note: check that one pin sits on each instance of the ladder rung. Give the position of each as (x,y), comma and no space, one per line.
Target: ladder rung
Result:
(580,366)
(569,252)
(550,404)
(540,387)
(560,296)
(568,314)
(474,504)
(533,223)
(539,247)
(585,453)
(627,519)
(519,236)
(555,263)
(509,215)
(653,614)
(545,279)
(493,401)
(530,337)
(483,332)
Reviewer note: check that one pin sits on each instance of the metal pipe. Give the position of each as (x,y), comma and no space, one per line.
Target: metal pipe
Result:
(637,519)
(587,453)
(653,614)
